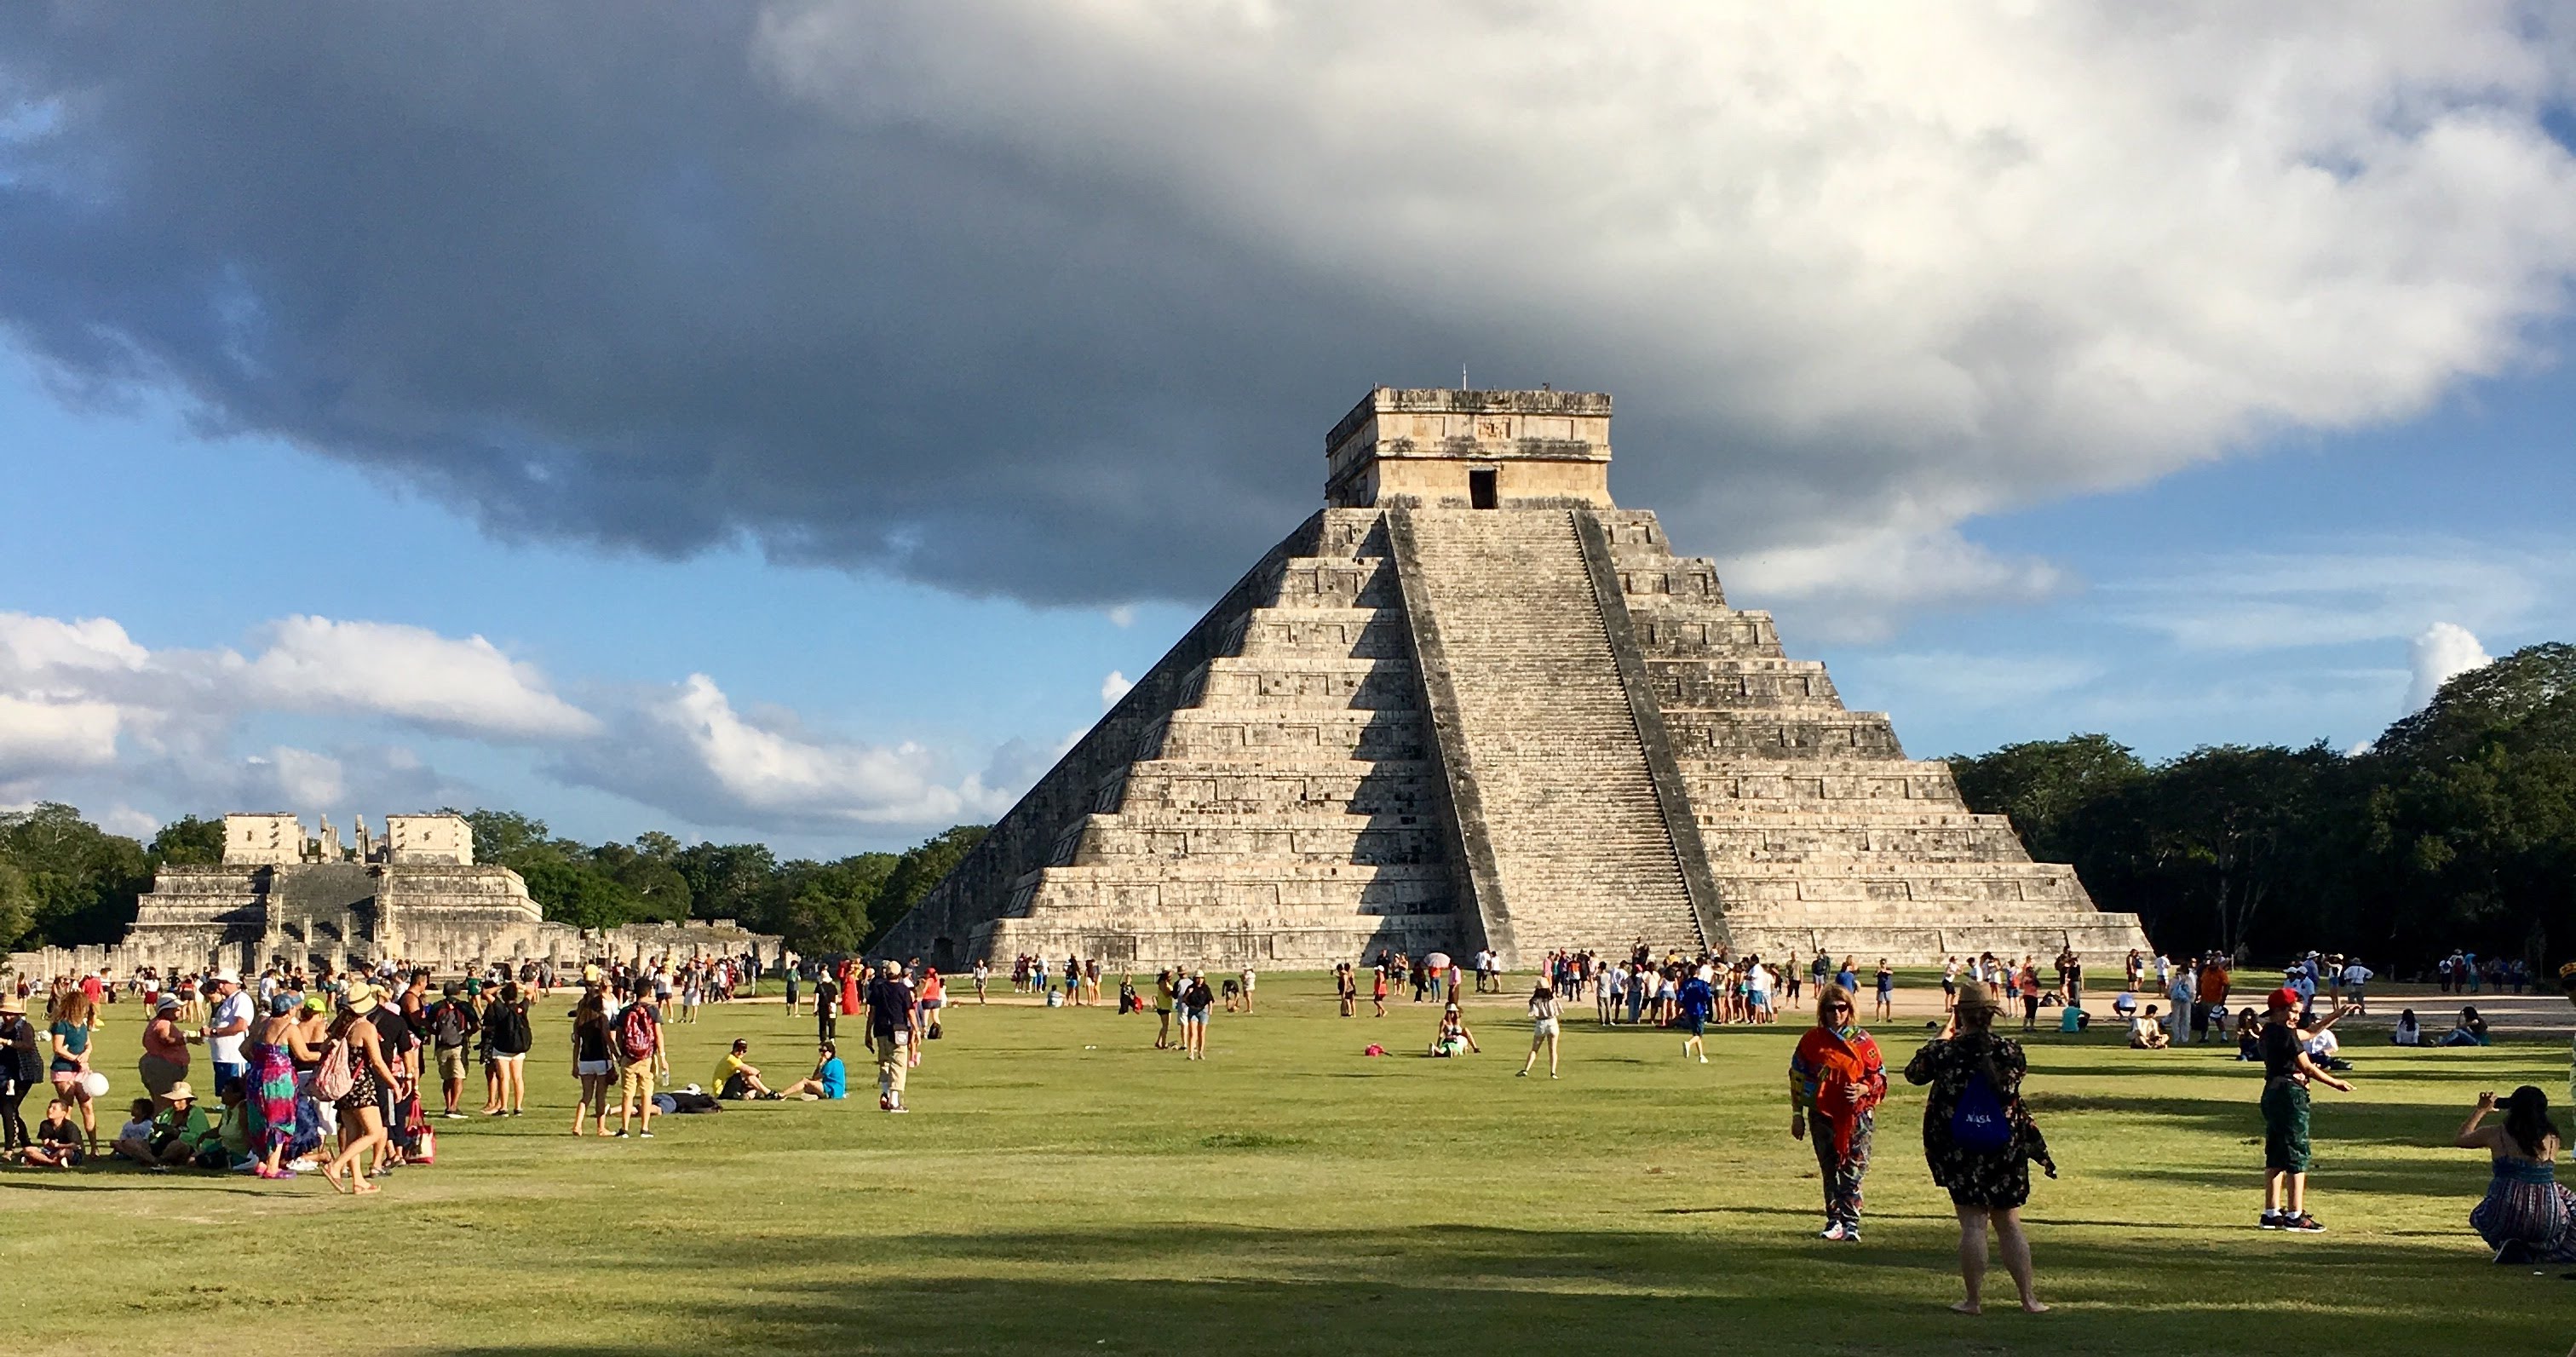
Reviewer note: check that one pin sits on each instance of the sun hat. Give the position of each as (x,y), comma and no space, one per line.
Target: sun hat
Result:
(283,1002)
(226,976)
(180,1093)
(169,1004)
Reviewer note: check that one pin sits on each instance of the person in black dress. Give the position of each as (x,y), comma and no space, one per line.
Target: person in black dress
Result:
(1980,1140)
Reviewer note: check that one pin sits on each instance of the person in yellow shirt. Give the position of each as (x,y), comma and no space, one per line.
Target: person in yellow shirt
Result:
(737,1077)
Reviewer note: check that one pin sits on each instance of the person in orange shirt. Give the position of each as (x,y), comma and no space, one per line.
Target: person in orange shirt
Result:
(2213,996)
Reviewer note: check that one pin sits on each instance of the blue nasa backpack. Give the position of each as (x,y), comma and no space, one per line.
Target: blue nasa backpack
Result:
(1980,1123)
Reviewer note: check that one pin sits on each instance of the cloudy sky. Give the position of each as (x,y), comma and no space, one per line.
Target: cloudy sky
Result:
(796,420)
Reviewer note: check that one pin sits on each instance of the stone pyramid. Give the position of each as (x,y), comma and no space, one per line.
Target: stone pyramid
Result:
(1472,703)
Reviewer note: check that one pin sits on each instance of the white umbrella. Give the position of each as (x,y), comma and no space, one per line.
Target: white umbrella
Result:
(1438,961)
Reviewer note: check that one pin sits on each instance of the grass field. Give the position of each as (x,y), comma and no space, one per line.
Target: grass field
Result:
(1065,1188)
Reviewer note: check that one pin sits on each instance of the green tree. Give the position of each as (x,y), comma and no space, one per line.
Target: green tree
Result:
(579,894)
(83,880)
(189,841)
(2043,784)
(921,868)
(17,906)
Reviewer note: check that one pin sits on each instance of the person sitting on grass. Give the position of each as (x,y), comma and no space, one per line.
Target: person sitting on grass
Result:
(58,1140)
(179,1134)
(134,1139)
(2249,1036)
(2148,1033)
(1454,1038)
(2322,1045)
(830,1081)
(2408,1032)
(737,1078)
(2471,1030)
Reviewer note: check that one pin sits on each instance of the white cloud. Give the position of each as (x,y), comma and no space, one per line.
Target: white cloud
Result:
(2443,652)
(2348,595)
(1893,267)
(1114,687)
(1860,585)
(1124,615)
(411,674)
(688,750)
(38,736)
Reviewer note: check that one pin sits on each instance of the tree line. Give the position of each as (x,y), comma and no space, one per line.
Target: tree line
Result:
(2455,828)
(67,882)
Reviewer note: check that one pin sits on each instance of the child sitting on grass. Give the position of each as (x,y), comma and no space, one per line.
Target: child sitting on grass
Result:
(134,1138)
(58,1139)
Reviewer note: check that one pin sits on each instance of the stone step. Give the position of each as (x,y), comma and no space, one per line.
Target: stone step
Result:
(1552,746)
(1203,733)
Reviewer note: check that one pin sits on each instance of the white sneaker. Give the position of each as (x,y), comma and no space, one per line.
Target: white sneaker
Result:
(455,1116)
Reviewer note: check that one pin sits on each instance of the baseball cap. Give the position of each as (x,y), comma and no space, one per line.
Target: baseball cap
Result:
(2284,997)
(226,976)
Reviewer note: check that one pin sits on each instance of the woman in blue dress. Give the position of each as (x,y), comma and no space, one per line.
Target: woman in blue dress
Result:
(2526,1217)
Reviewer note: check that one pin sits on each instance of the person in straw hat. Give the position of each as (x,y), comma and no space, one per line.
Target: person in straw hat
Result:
(1980,1140)
(362,1123)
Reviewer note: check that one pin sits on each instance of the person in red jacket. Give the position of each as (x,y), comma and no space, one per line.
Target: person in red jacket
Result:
(1836,1078)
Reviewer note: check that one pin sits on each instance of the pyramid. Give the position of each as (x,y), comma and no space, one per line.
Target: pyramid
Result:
(1473,703)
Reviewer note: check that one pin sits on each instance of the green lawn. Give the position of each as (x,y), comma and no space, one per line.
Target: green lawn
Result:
(1065,1188)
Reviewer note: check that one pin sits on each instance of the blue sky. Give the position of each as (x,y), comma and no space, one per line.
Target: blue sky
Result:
(788,422)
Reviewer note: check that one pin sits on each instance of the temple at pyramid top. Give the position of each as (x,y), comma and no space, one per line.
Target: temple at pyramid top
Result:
(1439,449)
(1473,703)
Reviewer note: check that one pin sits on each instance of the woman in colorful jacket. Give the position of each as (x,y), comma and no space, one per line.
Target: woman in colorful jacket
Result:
(1836,1078)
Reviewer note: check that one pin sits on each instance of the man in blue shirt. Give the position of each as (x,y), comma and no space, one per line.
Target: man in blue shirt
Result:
(1697,1001)
(830,1080)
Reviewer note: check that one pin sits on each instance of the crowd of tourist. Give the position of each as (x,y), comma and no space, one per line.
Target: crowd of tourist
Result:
(346,1075)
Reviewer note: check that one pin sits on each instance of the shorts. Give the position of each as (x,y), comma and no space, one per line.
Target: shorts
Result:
(451,1062)
(159,1074)
(230,1075)
(929,1004)
(2285,1126)
(636,1080)
(1698,1025)
(593,1069)
(1543,1027)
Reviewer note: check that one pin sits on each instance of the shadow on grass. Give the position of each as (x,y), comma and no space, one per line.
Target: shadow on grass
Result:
(1197,1288)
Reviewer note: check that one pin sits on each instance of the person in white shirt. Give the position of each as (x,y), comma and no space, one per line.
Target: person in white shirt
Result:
(2321,1044)
(1247,987)
(2183,993)
(226,1025)
(2146,1033)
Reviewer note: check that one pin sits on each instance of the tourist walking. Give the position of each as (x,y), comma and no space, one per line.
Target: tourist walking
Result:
(1884,1005)
(892,1032)
(1196,999)
(2287,1072)
(2526,1216)
(272,1049)
(354,1076)
(1697,1000)
(1544,1023)
(640,1058)
(590,1058)
(1836,1080)
(1980,1141)
(1167,992)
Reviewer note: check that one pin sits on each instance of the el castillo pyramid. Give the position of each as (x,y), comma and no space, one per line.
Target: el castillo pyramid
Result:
(1473,703)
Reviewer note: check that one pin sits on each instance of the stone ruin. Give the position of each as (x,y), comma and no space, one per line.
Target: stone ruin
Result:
(416,895)
(1474,703)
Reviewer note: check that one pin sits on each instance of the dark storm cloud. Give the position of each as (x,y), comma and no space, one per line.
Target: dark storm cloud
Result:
(1055,301)
(590,275)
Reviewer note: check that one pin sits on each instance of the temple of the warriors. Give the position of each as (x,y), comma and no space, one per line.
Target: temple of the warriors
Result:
(1474,703)
(281,897)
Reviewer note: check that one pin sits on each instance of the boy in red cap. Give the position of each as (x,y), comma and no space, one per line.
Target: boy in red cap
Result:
(2287,1071)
